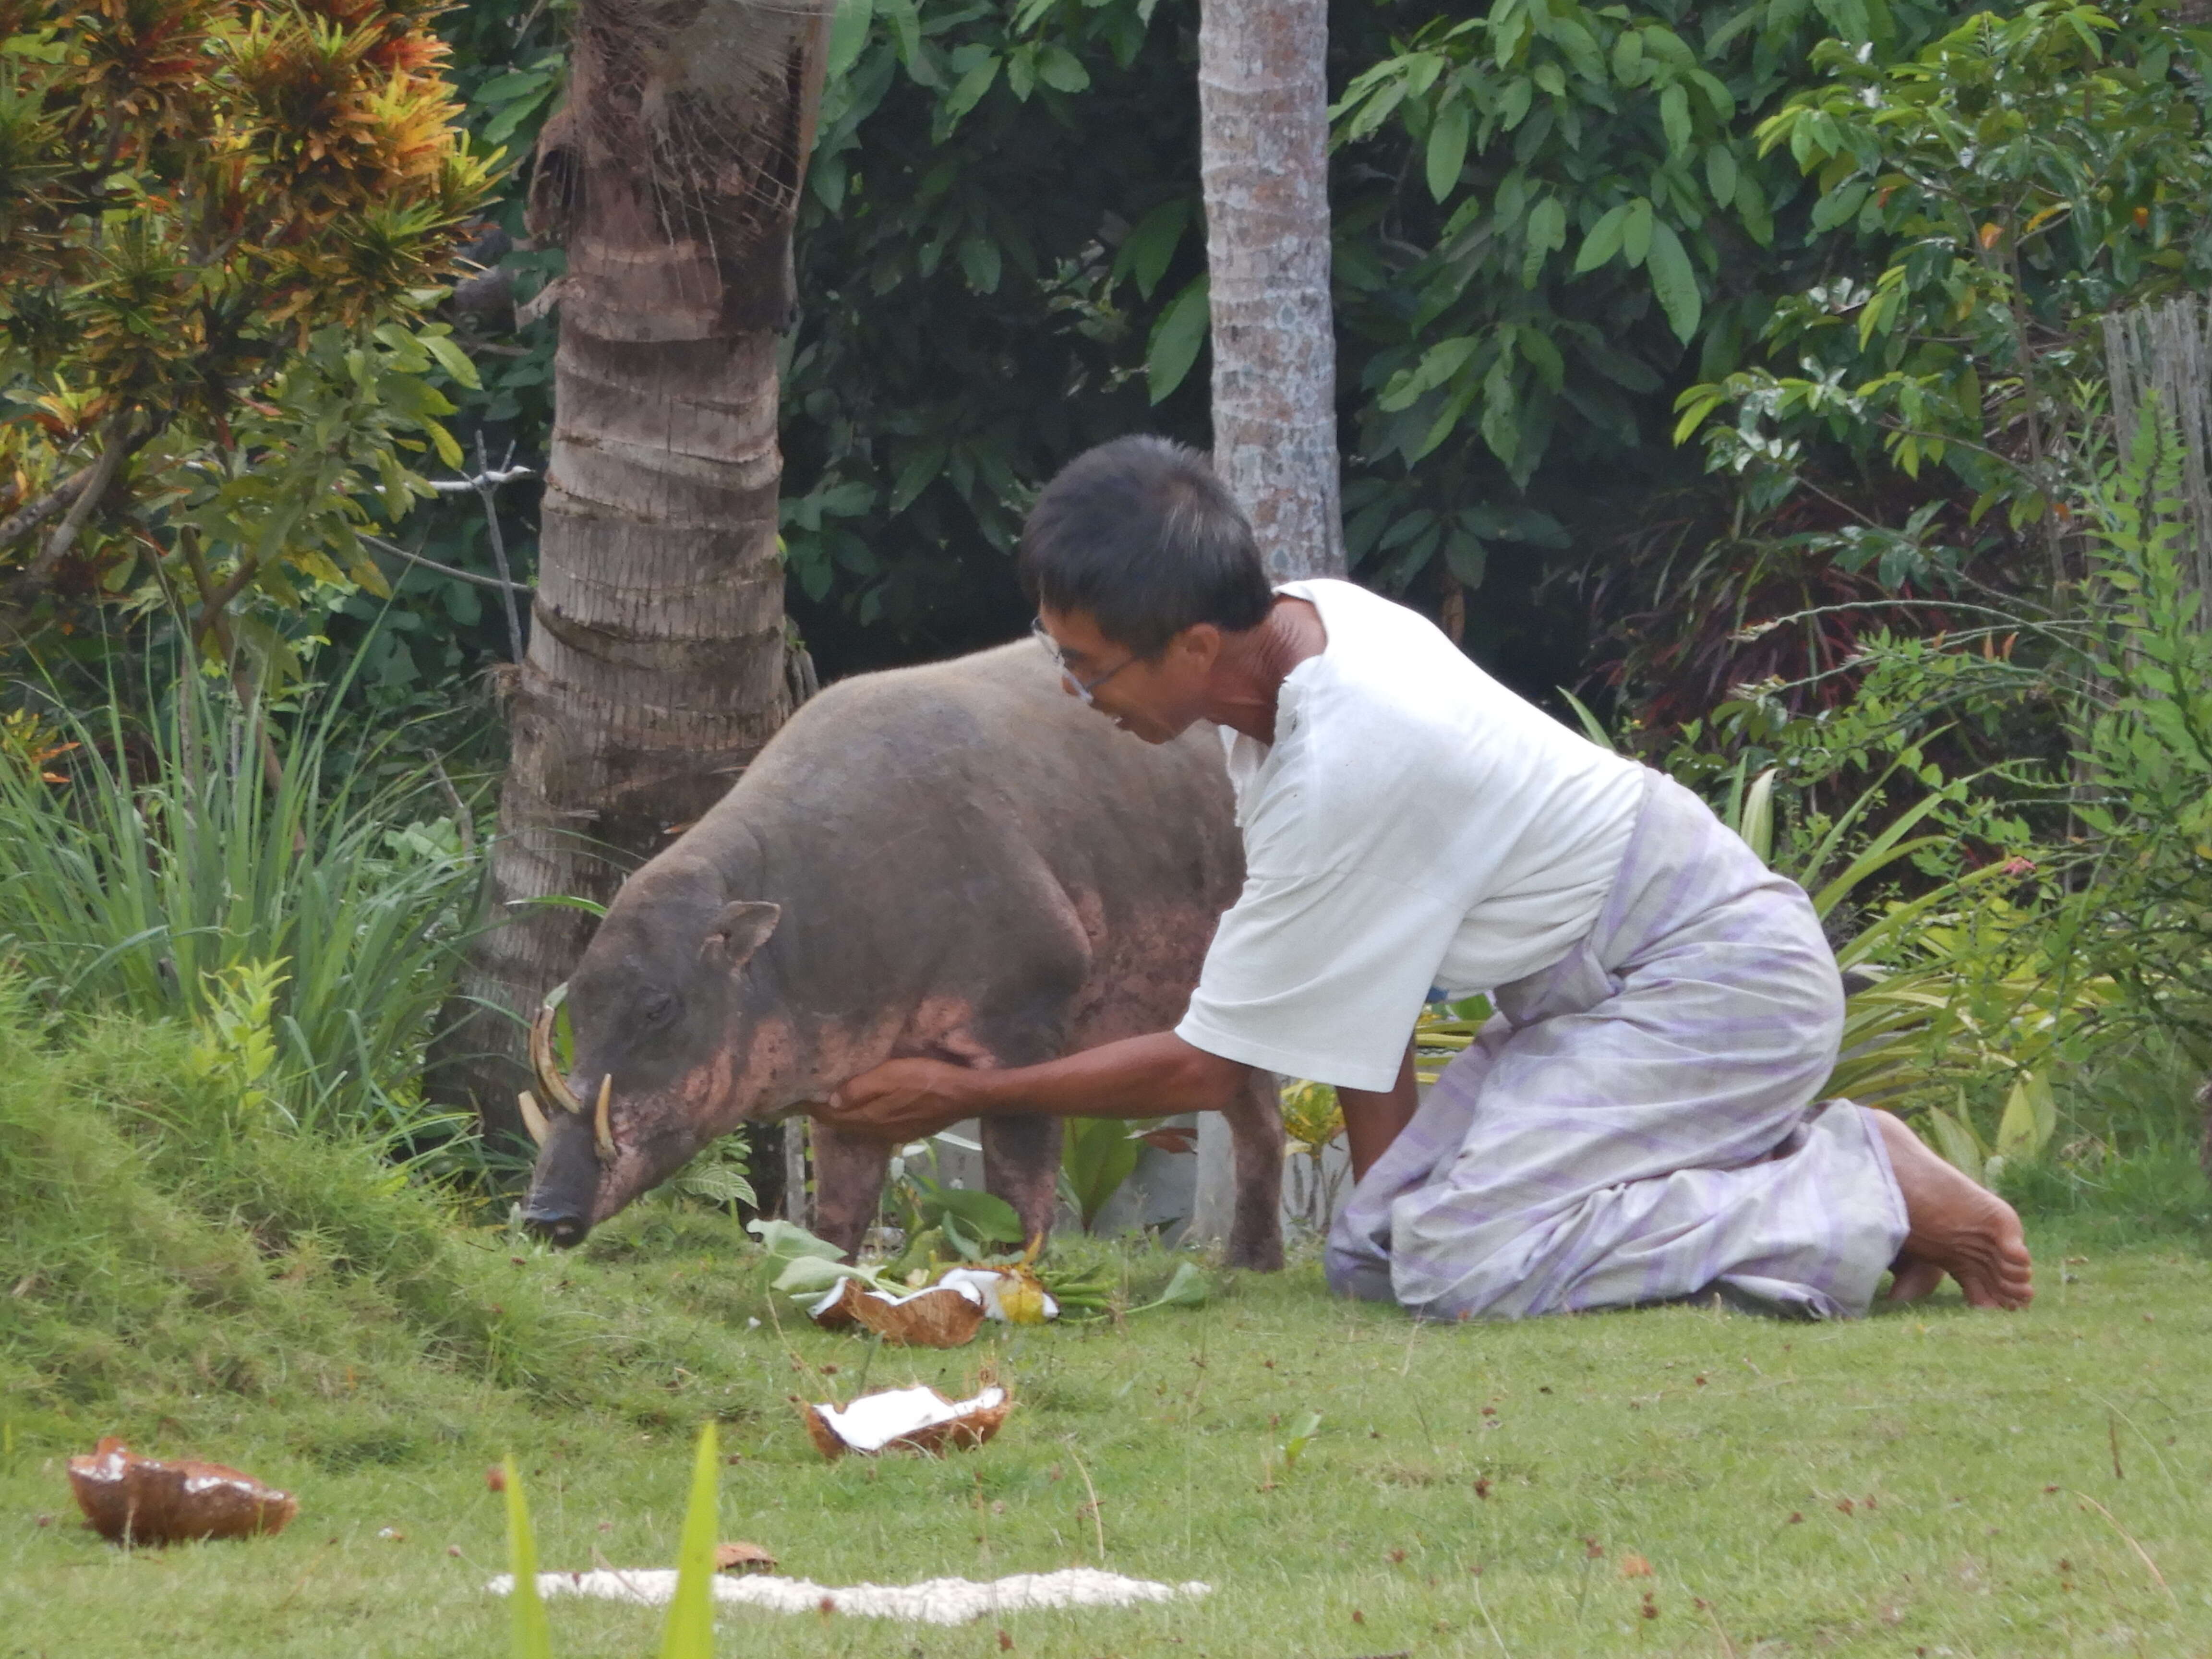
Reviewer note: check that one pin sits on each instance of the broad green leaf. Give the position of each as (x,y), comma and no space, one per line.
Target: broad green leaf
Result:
(1176,337)
(986,1215)
(1956,1142)
(1755,823)
(1751,203)
(1060,69)
(1447,153)
(1636,232)
(1467,559)
(1720,174)
(784,1241)
(803,1273)
(980,263)
(1840,205)
(451,358)
(2031,1118)
(969,91)
(1675,117)
(1603,241)
(1546,233)
(1097,1155)
(849,34)
(1628,65)
(449,450)
(690,1631)
(1675,282)
(1146,251)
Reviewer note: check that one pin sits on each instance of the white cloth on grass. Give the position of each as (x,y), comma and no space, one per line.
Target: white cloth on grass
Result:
(932,1602)
(1639,1122)
(1413,824)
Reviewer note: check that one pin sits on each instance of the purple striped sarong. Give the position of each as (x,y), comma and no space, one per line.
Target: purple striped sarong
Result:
(1638,1122)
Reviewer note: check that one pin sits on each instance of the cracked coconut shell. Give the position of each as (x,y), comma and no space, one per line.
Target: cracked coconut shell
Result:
(144,1500)
(912,1419)
(939,1317)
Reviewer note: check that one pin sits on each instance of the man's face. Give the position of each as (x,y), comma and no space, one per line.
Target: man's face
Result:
(1156,698)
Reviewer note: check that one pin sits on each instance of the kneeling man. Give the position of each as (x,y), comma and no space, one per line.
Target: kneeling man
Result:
(1639,1122)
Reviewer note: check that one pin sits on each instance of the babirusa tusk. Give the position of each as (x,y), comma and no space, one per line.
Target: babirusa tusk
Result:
(534,1118)
(543,1067)
(603,1133)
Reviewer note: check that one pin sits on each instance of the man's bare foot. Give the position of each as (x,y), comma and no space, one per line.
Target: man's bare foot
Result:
(1954,1227)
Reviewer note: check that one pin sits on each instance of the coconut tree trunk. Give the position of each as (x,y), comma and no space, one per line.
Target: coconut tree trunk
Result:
(1263,122)
(656,666)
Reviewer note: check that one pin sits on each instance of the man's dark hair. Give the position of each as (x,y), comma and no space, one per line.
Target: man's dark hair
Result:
(1140,536)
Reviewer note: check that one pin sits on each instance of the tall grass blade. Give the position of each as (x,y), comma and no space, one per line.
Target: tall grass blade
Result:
(529,1635)
(690,1633)
(170,858)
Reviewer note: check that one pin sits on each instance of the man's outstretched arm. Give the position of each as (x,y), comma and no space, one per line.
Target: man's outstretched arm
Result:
(1372,1120)
(1157,1075)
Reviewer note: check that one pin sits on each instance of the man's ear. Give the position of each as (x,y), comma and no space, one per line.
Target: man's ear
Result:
(739,930)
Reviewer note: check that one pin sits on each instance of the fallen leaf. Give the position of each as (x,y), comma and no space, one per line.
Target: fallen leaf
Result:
(1635,1566)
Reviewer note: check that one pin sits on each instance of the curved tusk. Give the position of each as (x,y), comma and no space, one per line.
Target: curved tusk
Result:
(534,1118)
(542,1066)
(602,1131)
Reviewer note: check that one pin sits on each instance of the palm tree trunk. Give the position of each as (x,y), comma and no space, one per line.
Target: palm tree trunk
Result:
(656,667)
(1263,119)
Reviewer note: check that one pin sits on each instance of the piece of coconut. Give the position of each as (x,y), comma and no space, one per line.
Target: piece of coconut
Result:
(938,1317)
(144,1500)
(914,1420)
(743,1555)
(1009,1297)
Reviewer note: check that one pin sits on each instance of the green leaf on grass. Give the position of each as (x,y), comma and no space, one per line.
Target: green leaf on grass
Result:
(689,1633)
(529,1636)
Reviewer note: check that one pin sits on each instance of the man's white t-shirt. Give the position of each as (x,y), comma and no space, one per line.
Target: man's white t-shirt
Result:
(1414,823)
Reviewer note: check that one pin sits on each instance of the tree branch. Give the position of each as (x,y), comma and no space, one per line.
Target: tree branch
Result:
(399,552)
(21,522)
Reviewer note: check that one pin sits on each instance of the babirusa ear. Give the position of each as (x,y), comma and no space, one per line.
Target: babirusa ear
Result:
(739,930)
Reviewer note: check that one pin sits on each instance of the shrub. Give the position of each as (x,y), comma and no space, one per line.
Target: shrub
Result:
(164,868)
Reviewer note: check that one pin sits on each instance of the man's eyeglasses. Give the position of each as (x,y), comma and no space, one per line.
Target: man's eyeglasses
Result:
(1083,689)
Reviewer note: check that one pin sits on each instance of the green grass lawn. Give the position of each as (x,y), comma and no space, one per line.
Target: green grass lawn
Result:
(1934,1480)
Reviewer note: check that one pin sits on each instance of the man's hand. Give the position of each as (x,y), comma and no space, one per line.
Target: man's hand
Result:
(904,1099)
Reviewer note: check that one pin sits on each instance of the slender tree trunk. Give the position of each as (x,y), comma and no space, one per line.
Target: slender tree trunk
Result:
(1263,158)
(656,667)
(1263,117)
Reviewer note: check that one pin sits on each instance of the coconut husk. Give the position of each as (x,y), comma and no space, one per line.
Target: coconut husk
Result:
(144,1500)
(935,1318)
(976,1423)
(932,1319)
(742,1557)
(834,1312)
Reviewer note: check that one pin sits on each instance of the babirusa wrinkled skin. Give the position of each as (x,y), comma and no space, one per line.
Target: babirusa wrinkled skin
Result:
(956,861)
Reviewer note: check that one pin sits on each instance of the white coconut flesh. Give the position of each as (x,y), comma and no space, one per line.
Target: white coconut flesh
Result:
(874,1420)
